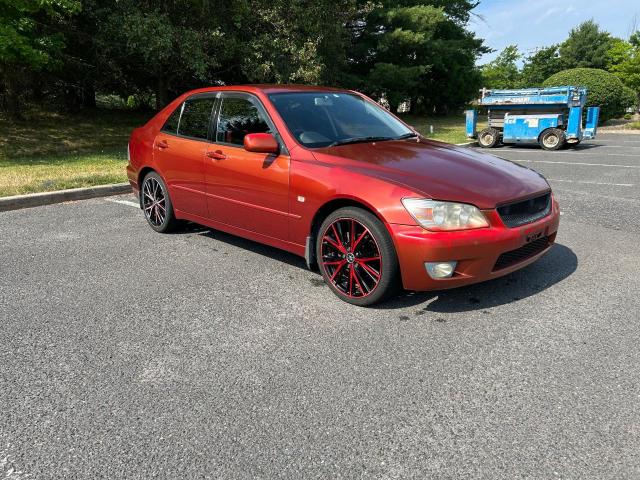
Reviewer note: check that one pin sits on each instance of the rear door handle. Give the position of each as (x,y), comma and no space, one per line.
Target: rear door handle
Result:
(162,144)
(217,155)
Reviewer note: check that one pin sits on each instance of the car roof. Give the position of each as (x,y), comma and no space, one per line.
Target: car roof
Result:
(268,88)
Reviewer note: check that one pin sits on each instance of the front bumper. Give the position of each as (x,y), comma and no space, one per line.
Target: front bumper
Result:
(476,251)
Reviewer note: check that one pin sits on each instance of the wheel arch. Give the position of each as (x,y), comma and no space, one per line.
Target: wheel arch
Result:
(144,171)
(323,212)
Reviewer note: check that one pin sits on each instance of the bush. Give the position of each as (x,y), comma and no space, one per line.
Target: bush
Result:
(604,89)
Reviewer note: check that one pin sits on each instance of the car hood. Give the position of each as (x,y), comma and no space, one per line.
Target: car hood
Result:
(440,171)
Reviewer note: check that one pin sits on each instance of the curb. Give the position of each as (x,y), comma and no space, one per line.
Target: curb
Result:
(45,198)
(466,144)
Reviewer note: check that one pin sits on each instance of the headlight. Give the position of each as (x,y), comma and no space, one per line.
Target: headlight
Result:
(435,215)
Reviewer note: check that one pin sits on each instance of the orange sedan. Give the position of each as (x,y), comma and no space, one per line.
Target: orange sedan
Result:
(330,175)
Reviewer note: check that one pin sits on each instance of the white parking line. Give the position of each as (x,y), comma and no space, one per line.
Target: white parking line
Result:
(582,152)
(613,146)
(575,163)
(595,194)
(592,183)
(123,202)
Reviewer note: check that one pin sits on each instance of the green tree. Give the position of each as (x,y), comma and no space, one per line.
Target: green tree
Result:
(29,42)
(74,86)
(397,67)
(399,49)
(457,10)
(586,47)
(503,72)
(618,52)
(624,62)
(453,78)
(418,51)
(162,46)
(540,66)
(169,47)
(294,42)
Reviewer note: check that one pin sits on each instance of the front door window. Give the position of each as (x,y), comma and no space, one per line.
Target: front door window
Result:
(238,117)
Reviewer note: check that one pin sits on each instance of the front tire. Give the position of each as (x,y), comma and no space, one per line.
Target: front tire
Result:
(156,204)
(357,257)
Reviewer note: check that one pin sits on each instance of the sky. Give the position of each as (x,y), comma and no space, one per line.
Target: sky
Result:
(538,23)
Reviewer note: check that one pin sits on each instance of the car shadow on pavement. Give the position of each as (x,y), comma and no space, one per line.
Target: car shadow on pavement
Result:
(239,242)
(559,263)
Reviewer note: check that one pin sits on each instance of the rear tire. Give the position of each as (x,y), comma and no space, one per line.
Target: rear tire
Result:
(489,138)
(156,204)
(552,139)
(357,258)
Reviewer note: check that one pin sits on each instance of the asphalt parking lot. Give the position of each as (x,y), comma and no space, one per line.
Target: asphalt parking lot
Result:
(129,354)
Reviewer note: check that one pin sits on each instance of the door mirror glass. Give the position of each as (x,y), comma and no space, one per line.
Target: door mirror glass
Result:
(261,143)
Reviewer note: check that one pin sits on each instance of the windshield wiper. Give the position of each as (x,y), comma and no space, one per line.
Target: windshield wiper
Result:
(407,135)
(348,141)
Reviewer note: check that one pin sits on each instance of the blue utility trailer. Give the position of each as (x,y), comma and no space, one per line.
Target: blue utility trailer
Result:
(551,117)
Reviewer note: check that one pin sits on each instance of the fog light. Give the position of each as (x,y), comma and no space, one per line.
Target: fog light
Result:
(440,269)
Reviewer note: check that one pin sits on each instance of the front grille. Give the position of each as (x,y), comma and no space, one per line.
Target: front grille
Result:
(514,256)
(527,211)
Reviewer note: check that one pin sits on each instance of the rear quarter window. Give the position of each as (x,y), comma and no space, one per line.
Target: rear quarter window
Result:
(171,125)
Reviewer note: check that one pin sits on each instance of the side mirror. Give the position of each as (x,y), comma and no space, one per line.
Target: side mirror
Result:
(261,143)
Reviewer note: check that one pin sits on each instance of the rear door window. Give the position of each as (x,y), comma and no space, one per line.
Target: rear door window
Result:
(196,116)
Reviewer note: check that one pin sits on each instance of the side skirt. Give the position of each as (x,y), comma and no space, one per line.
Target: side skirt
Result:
(291,247)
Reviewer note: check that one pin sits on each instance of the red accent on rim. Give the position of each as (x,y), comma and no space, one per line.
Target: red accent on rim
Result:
(154,201)
(351,258)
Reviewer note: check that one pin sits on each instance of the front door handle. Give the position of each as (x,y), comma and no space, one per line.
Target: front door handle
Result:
(217,155)
(162,144)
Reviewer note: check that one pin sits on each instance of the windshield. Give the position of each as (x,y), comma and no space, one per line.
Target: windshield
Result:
(322,119)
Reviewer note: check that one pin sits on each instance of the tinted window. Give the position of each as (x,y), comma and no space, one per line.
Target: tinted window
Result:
(238,117)
(171,125)
(195,117)
(319,119)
